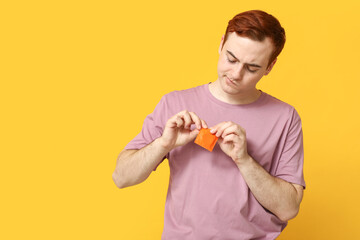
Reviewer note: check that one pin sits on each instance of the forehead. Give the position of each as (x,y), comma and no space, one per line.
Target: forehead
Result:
(249,50)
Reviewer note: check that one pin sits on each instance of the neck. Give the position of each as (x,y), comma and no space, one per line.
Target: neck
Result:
(245,97)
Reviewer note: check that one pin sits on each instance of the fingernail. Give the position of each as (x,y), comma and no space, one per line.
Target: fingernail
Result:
(212,130)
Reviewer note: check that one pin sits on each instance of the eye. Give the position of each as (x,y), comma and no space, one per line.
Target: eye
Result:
(231,61)
(250,70)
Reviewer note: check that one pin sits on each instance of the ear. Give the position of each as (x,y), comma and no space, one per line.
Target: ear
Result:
(221,44)
(270,67)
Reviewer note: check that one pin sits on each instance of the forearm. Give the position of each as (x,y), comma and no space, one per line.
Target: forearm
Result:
(274,194)
(134,166)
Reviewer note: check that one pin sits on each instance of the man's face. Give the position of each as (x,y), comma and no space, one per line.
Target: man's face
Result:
(242,63)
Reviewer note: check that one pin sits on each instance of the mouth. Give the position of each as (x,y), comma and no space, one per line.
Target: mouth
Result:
(230,81)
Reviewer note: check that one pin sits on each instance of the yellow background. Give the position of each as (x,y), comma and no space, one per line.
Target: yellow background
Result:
(79,77)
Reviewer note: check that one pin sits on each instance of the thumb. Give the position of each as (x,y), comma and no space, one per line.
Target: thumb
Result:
(194,133)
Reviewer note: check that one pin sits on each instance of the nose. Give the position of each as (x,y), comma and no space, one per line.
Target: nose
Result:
(237,72)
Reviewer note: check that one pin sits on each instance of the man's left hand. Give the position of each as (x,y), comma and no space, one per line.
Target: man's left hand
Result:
(232,140)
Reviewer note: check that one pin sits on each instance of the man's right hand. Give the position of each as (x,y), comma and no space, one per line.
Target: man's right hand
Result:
(177,130)
(134,166)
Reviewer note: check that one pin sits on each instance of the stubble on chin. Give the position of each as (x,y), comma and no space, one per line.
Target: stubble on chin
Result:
(231,90)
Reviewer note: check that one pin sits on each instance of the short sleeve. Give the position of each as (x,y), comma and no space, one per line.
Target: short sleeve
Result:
(152,128)
(291,162)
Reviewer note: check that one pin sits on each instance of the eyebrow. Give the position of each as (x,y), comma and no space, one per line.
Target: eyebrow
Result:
(249,64)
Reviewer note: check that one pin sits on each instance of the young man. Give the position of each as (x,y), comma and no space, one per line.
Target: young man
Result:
(252,182)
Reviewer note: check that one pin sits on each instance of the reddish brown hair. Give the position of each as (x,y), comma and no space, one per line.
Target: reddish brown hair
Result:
(257,25)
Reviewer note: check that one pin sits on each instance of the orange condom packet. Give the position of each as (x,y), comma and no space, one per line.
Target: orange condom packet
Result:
(206,139)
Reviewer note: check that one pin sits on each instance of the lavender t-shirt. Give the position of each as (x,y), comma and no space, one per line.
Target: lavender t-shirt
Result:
(207,196)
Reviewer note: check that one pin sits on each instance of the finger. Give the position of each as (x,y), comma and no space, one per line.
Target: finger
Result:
(220,129)
(195,120)
(231,138)
(223,127)
(187,119)
(203,124)
(179,121)
(194,133)
(172,122)
(232,129)
(213,129)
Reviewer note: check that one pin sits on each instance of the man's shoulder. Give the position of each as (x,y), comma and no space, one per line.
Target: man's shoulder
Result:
(278,105)
(277,102)
(184,93)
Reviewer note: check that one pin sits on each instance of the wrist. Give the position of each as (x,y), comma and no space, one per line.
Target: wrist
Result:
(164,144)
(242,161)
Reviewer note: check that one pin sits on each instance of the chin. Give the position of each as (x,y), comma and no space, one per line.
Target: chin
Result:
(232,90)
